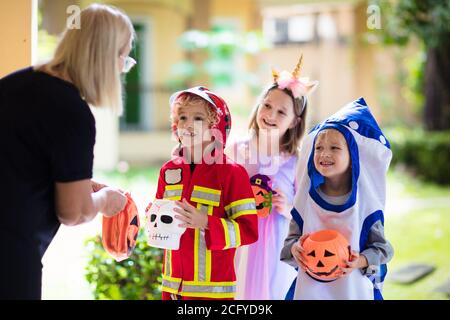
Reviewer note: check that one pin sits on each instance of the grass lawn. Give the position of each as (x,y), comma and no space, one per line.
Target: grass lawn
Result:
(404,185)
(418,235)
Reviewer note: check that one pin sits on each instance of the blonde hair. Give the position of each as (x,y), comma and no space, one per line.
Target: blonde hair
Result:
(185,100)
(290,141)
(89,56)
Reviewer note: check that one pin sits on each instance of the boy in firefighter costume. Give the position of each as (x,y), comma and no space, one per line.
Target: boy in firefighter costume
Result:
(342,186)
(215,197)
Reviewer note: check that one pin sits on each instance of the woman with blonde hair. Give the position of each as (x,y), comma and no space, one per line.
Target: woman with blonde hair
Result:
(47,137)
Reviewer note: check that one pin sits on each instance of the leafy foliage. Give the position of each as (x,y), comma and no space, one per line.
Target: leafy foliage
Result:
(425,153)
(221,48)
(136,278)
(429,20)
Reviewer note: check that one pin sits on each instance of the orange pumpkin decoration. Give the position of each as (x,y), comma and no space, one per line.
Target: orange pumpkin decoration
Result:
(325,252)
(119,232)
(263,194)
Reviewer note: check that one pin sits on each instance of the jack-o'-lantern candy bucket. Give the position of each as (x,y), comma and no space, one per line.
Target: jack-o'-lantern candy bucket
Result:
(325,252)
(262,190)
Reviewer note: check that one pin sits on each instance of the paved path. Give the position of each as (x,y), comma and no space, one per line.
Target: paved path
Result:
(396,206)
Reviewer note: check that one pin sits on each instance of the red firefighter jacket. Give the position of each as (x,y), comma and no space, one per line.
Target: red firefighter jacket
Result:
(204,264)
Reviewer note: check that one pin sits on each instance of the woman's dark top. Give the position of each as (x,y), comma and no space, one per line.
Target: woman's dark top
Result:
(47,135)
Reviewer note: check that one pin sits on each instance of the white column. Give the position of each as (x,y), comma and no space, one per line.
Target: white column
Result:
(106,151)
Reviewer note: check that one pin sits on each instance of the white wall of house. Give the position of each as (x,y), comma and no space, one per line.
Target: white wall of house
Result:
(106,151)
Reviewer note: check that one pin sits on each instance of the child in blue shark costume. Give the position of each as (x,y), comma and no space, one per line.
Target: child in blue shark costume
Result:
(358,214)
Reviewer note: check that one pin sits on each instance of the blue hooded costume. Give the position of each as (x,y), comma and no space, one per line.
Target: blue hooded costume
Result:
(370,157)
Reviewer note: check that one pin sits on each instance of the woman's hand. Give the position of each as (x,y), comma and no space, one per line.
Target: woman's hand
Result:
(191,217)
(298,252)
(114,201)
(96,186)
(147,210)
(356,261)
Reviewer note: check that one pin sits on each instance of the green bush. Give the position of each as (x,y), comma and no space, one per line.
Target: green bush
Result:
(426,154)
(136,278)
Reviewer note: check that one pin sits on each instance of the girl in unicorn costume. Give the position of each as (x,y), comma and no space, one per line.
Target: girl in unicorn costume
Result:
(278,120)
(350,201)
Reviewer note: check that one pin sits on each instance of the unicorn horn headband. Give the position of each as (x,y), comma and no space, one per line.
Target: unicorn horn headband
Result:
(296,71)
(291,81)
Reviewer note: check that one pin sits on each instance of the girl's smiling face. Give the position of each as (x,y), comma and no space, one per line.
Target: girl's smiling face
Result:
(276,112)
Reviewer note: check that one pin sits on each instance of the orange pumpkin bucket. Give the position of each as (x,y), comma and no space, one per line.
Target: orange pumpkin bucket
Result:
(119,233)
(325,252)
(262,191)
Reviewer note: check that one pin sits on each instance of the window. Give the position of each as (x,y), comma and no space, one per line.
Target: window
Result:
(326,27)
(138,103)
(301,28)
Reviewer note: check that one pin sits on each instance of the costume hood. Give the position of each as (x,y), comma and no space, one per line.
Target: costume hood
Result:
(366,143)
(219,105)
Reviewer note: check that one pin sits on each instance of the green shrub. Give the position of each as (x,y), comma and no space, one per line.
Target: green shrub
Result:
(136,278)
(426,154)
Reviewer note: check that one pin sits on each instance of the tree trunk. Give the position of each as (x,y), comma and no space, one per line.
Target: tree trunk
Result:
(437,87)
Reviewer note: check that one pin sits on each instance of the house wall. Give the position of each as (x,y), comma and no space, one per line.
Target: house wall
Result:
(164,21)
(54,14)
(168,20)
(346,68)
(332,62)
(18,30)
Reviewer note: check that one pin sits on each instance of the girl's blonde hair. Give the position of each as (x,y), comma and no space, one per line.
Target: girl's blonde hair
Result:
(89,56)
(289,142)
(185,100)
